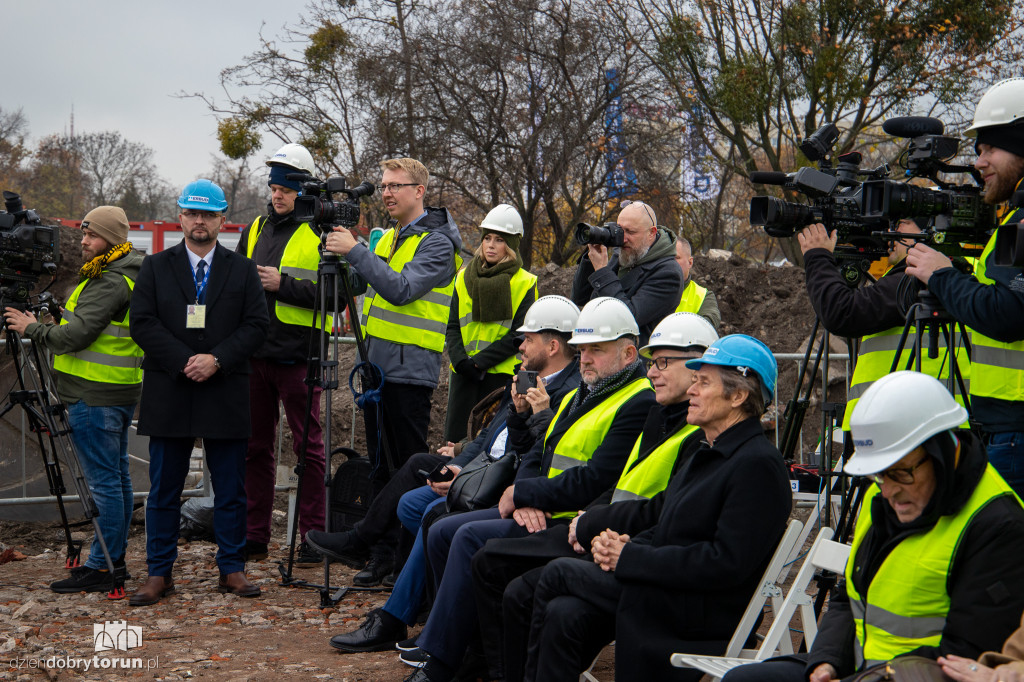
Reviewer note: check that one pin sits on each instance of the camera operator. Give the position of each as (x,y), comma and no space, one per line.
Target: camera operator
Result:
(695,298)
(409,279)
(643,275)
(98,373)
(871,312)
(287,254)
(991,302)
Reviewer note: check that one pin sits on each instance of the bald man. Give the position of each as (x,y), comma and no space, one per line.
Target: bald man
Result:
(695,298)
(642,273)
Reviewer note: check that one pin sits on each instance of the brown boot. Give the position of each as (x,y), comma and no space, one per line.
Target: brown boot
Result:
(155,588)
(237,583)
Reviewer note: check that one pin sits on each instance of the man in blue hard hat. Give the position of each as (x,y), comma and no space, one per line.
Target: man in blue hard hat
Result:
(199,313)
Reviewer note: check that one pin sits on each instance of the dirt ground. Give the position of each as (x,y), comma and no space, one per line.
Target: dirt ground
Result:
(200,633)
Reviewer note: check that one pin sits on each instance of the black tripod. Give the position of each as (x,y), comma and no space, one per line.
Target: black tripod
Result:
(333,286)
(47,415)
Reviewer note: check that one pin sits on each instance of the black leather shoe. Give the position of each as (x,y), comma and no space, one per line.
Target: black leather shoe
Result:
(344,547)
(255,551)
(376,570)
(379,632)
(307,557)
(84,579)
(433,671)
(390,579)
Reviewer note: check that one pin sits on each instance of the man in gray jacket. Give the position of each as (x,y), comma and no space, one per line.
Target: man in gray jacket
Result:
(408,278)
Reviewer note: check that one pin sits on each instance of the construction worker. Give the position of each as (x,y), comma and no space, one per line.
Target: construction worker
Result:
(992,302)
(98,373)
(581,455)
(675,572)
(695,298)
(409,278)
(492,294)
(935,565)
(286,253)
(666,441)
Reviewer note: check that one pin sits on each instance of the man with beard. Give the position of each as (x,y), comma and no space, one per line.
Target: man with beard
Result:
(644,275)
(286,254)
(991,302)
(98,372)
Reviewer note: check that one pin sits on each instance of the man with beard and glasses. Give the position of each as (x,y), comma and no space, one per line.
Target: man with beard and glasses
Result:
(991,302)
(644,274)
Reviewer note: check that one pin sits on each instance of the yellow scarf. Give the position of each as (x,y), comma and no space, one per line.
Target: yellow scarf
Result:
(94,268)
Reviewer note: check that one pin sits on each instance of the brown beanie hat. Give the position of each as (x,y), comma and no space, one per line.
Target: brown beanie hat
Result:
(109,222)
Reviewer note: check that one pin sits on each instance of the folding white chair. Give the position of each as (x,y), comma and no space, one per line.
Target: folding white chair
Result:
(824,554)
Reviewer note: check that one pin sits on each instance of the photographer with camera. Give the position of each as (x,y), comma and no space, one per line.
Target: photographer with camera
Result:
(286,253)
(409,279)
(644,274)
(97,368)
(695,298)
(871,312)
(991,302)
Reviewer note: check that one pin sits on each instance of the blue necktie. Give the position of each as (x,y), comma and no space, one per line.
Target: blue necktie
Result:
(200,275)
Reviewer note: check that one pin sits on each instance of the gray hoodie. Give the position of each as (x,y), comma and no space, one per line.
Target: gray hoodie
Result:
(432,266)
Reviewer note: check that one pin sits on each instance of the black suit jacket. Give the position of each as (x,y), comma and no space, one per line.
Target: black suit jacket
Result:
(236,325)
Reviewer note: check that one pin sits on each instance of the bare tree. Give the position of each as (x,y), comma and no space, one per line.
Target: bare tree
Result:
(112,163)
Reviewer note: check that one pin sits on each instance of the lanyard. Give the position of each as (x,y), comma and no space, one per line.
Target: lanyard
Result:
(201,286)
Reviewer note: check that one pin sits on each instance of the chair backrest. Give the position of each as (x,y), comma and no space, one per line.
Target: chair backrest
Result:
(769,587)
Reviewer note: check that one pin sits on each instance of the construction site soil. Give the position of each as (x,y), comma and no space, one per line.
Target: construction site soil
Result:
(200,633)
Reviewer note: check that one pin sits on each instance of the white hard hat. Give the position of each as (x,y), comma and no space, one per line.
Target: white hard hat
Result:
(681,330)
(1001,105)
(503,218)
(551,313)
(294,156)
(896,414)
(604,319)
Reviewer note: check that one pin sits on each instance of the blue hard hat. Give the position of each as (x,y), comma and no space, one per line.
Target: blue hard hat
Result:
(744,353)
(203,195)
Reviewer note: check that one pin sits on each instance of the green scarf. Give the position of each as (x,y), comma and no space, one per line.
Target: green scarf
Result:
(490,287)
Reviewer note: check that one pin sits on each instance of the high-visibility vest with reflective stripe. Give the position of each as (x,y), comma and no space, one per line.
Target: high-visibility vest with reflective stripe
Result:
(877,352)
(644,479)
(420,323)
(692,298)
(479,335)
(997,368)
(300,260)
(905,605)
(113,358)
(577,444)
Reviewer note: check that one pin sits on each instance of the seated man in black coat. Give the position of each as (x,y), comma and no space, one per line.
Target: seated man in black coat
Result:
(674,573)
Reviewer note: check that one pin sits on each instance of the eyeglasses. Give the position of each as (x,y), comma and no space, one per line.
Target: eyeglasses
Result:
(647,209)
(205,216)
(395,186)
(901,475)
(662,363)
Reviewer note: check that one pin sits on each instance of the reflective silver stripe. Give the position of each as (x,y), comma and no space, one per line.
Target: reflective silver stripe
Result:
(908,627)
(108,360)
(888,342)
(857,609)
(114,330)
(857,390)
(404,320)
(299,273)
(1007,358)
(438,298)
(621,495)
(466,319)
(477,346)
(564,463)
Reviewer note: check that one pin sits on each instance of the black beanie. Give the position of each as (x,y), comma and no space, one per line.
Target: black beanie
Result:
(1007,137)
(278,176)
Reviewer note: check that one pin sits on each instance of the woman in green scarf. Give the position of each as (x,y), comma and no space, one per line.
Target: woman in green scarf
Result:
(492,294)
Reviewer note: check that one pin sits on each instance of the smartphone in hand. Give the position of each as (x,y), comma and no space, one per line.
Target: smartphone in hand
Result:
(525,380)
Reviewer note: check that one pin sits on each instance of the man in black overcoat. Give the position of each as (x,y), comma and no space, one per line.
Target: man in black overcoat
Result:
(198,312)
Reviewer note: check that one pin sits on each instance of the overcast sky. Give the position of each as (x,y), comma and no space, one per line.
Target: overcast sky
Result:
(121,63)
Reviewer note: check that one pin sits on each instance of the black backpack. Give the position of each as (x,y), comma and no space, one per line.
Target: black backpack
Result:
(351,490)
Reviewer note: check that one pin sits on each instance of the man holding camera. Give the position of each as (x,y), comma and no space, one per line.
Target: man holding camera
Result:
(408,278)
(644,274)
(287,254)
(991,302)
(98,373)
(695,298)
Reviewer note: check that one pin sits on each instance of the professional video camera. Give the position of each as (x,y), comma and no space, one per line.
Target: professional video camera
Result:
(608,235)
(27,249)
(316,204)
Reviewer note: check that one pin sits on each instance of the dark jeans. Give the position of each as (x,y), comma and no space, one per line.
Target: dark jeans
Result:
(168,466)
(404,411)
(380,525)
(1006,453)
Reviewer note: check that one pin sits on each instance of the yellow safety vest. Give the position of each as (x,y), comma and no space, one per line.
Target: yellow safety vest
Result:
(577,444)
(300,260)
(643,480)
(905,605)
(997,368)
(113,358)
(692,298)
(420,323)
(479,335)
